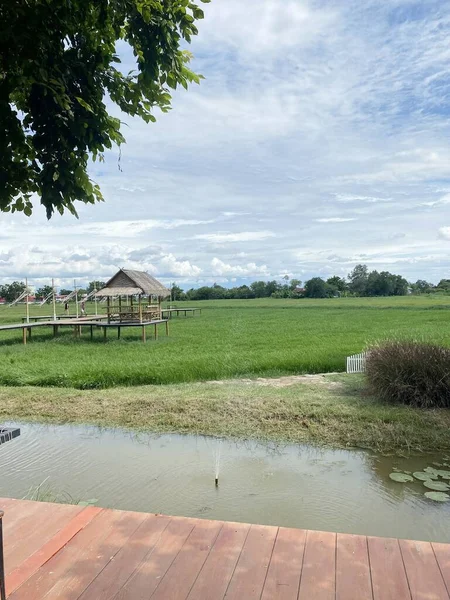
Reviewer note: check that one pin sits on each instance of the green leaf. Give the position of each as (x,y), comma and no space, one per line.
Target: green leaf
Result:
(439,486)
(198,13)
(84,104)
(438,496)
(424,476)
(401,477)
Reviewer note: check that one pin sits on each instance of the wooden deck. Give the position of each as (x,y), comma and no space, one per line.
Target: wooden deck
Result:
(88,321)
(176,311)
(61,552)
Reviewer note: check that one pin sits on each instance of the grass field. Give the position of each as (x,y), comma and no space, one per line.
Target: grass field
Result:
(330,410)
(231,339)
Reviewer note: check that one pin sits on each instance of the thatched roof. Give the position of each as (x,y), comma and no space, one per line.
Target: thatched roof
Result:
(131,283)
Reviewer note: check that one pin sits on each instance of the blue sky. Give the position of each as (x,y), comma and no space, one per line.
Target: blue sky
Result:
(319,139)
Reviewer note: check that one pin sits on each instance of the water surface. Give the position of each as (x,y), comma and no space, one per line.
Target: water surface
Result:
(294,486)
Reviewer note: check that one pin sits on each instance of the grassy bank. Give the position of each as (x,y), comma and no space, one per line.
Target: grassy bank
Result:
(330,410)
(231,339)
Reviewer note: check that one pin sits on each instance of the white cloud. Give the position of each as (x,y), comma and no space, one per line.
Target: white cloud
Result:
(360,198)
(249,270)
(439,202)
(444,233)
(243,236)
(335,220)
(179,268)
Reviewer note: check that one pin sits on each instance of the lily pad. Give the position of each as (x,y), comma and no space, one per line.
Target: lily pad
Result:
(437,464)
(400,477)
(438,496)
(424,476)
(443,473)
(432,470)
(439,486)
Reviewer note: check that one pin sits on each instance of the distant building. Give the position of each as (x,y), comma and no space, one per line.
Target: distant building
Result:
(299,291)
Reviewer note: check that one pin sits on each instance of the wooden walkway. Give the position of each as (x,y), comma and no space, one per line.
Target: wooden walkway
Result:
(92,322)
(61,552)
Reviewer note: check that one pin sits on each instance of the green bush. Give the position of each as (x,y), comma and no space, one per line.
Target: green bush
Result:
(414,373)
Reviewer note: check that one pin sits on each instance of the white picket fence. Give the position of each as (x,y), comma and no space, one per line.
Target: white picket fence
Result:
(356,363)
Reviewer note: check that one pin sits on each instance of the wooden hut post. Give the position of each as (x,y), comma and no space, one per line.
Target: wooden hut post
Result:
(108,309)
(76,295)
(54,300)
(120,310)
(159,308)
(95,300)
(140,309)
(26,303)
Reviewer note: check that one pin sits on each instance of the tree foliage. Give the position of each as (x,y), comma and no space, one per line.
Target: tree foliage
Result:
(358,280)
(11,291)
(59,67)
(316,288)
(95,285)
(44,291)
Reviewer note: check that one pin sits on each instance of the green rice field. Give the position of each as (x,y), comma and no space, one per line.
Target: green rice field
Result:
(231,339)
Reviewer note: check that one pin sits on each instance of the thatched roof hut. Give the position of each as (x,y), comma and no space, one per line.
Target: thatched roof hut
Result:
(133,283)
(130,284)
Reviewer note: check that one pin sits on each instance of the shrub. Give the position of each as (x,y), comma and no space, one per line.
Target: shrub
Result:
(414,373)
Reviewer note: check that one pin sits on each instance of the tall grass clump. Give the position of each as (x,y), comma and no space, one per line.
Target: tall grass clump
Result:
(409,372)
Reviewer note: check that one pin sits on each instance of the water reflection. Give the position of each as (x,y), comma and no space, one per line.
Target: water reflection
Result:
(295,486)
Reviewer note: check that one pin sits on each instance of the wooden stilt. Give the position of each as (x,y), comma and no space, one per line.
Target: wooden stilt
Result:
(156,332)
(108,304)
(167,327)
(24,330)
(118,332)
(143,333)
(92,332)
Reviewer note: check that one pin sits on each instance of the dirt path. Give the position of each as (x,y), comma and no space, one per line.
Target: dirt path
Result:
(282,381)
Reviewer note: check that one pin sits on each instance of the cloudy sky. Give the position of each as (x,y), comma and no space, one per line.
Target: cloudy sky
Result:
(319,139)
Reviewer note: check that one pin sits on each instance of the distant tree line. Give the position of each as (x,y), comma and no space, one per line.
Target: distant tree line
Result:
(360,282)
(257,289)
(11,291)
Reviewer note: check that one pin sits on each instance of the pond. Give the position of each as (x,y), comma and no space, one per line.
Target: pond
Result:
(274,484)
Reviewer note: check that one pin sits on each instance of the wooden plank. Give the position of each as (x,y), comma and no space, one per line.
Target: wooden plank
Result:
(442,553)
(27,525)
(30,566)
(145,579)
(389,581)
(251,569)
(29,535)
(283,576)
(422,570)
(181,575)
(114,576)
(69,572)
(353,580)
(319,567)
(216,573)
